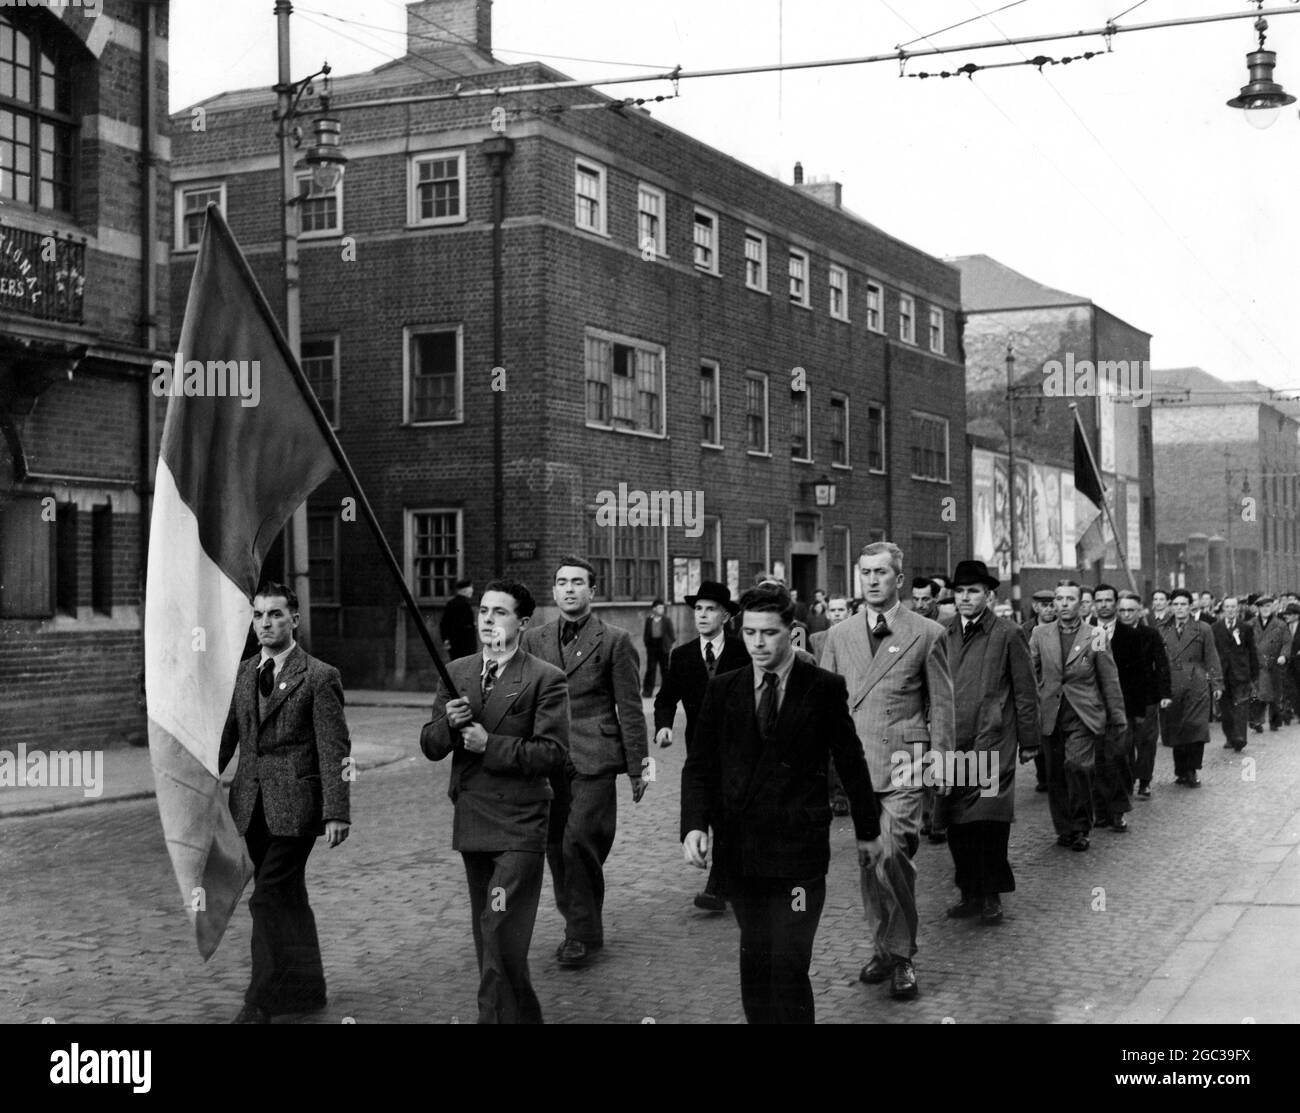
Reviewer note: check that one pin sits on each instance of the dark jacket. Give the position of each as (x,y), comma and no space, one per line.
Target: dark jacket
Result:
(667,635)
(502,795)
(458,628)
(1193,671)
(1273,640)
(768,803)
(1238,659)
(607,729)
(1143,665)
(295,754)
(686,678)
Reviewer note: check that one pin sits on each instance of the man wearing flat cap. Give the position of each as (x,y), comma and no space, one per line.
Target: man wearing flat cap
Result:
(1272,646)
(996,699)
(690,668)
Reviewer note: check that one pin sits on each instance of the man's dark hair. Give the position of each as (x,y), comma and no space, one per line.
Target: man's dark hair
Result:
(923,583)
(769,598)
(1104,587)
(274,587)
(942,581)
(461,585)
(1159,591)
(1069,583)
(525,604)
(575,561)
(1180,593)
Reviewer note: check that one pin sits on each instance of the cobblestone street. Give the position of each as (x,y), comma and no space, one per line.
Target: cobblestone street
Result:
(97,933)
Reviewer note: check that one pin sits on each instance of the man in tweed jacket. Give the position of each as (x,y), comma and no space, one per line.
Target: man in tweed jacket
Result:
(286,720)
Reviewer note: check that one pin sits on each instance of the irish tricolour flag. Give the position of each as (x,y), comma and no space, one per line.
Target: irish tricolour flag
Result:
(242,447)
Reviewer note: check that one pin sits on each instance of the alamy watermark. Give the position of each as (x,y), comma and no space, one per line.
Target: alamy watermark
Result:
(651,508)
(82,769)
(1118,379)
(90,6)
(217,378)
(955,768)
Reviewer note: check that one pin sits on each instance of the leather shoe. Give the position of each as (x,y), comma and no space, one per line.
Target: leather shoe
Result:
(991,912)
(1119,825)
(1064,840)
(1079,842)
(1193,780)
(574,952)
(963,909)
(710,902)
(252,1014)
(876,971)
(903,985)
(1144,790)
(1181,779)
(1228,744)
(1101,821)
(1256,729)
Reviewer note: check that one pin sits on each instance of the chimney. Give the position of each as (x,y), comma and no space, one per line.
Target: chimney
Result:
(798,173)
(436,25)
(826,191)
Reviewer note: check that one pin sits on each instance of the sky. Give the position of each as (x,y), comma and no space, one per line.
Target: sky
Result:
(1124,178)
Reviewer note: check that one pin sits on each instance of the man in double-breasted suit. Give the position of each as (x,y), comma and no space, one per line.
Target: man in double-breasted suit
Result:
(508,730)
(1079,699)
(1234,642)
(690,668)
(291,786)
(900,694)
(607,737)
(756,775)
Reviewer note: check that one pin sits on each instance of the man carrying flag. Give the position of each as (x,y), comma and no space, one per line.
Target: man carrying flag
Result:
(233,466)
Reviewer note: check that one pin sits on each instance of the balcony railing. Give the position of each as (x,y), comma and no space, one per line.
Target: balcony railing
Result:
(42,274)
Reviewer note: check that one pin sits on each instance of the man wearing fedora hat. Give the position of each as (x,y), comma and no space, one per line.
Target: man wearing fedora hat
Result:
(690,668)
(996,700)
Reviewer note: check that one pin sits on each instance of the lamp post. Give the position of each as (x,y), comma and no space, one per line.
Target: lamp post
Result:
(1261,98)
(326,160)
(1011,483)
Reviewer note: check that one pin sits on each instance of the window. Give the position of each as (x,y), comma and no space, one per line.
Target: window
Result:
(651,207)
(840,561)
(839,287)
(589,196)
(706,241)
(756,412)
(906,318)
(876,438)
(756,261)
(711,549)
(433,544)
(319,214)
(710,403)
(929,555)
(320,363)
(437,188)
(625,384)
(323,556)
(799,277)
(66,585)
(757,548)
(929,447)
(628,560)
(26,560)
(840,430)
(936,329)
(191,210)
(875,307)
(800,425)
(38,121)
(101,558)
(433,375)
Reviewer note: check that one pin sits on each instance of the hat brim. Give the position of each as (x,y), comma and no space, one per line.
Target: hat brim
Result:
(986,581)
(732,608)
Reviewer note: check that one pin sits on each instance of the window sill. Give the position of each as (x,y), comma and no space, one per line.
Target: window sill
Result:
(758,290)
(705,270)
(714,447)
(331,234)
(842,320)
(801,460)
(842,467)
(758,455)
(801,305)
(930,479)
(441,222)
(432,424)
(627,432)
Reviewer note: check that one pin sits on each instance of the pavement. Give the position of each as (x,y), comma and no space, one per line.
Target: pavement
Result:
(1176,922)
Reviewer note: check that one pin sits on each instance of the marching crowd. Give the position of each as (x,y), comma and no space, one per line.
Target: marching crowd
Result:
(794,712)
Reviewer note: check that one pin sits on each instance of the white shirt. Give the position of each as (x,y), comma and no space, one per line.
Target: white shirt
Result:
(501,663)
(890,615)
(278,658)
(717,641)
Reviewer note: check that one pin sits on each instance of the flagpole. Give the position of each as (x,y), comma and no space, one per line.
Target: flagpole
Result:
(217,221)
(1105,502)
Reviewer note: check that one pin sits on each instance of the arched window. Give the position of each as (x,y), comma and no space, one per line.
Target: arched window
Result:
(38,130)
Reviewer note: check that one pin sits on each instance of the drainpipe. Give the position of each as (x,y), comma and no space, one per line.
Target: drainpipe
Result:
(148,270)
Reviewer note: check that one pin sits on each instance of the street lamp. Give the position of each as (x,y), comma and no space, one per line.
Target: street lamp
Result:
(824,491)
(1261,98)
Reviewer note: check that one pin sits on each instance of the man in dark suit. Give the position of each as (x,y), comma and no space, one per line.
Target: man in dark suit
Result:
(508,730)
(459,633)
(1272,647)
(291,786)
(756,775)
(607,736)
(690,668)
(1143,667)
(1234,641)
(658,638)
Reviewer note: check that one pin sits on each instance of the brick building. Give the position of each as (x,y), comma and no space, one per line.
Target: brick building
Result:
(1227,484)
(83,313)
(1054,337)
(673,320)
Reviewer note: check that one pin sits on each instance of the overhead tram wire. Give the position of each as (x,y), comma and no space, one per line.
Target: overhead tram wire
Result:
(1101,146)
(952,27)
(418,62)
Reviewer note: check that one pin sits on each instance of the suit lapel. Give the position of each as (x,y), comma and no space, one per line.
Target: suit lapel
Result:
(793,711)
(1082,638)
(888,652)
(292,674)
(585,647)
(504,693)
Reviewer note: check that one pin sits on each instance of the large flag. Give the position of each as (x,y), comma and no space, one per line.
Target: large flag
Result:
(1091,545)
(241,449)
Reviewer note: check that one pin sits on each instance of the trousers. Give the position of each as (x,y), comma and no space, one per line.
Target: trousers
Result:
(584,815)
(889,890)
(1071,761)
(1144,738)
(504,889)
(778,920)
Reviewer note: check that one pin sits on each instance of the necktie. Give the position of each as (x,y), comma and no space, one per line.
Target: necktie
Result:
(266,676)
(710,658)
(881,630)
(968,632)
(569,633)
(767,706)
(489,678)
